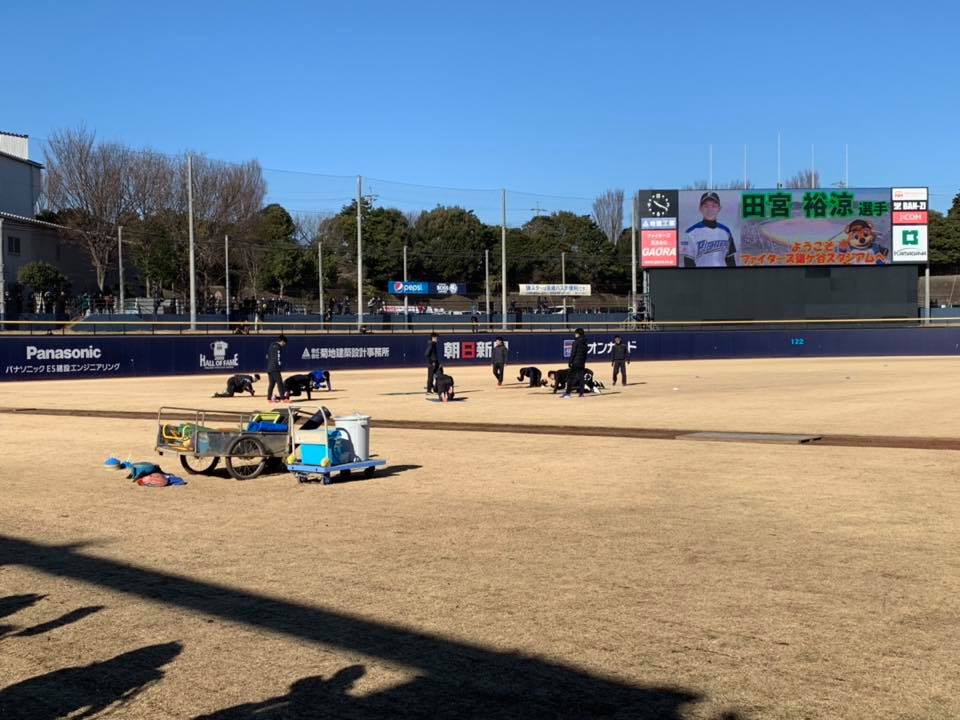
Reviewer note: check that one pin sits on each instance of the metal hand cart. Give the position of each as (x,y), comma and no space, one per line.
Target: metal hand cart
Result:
(202,437)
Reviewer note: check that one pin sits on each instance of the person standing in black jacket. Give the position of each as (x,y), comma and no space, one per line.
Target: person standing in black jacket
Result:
(577,364)
(433,360)
(499,360)
(274,365)
(620,358)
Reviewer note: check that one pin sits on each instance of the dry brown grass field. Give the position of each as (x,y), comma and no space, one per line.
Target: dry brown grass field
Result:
(497,575)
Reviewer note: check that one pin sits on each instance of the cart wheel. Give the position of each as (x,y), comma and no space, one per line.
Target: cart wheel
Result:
(246,458)
(199,465)
(370,471)
(326,479)
(301,478)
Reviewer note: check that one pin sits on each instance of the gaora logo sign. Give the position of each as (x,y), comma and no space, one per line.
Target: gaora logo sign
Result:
(219,361)
(81,353)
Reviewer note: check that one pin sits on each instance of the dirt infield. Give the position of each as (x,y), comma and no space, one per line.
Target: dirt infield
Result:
(496,574)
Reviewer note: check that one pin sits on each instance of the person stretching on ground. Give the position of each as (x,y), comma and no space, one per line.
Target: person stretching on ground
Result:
(560,378)
(534,375)
(443,384)
(239,384)
(321,380)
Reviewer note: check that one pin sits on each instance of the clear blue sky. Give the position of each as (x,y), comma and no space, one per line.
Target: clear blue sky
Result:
(559,98)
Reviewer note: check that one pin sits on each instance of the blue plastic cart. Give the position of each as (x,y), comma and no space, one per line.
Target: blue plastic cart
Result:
(310,464)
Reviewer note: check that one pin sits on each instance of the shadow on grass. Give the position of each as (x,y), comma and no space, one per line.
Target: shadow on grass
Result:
(85,690)
(65,619)
(456,679)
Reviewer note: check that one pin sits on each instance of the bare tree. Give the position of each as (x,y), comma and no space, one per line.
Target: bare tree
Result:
(86,184)
(608,214)
(804,179)
(97,186)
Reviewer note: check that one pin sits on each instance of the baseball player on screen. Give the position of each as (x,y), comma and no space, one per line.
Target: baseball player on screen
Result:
(708,243)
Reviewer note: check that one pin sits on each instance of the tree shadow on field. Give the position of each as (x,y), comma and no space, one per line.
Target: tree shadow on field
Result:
(65,619)
(85,690)
(15,603)
(455,679)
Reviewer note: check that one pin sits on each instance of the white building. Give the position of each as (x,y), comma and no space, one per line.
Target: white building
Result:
(24,239)
(19,176)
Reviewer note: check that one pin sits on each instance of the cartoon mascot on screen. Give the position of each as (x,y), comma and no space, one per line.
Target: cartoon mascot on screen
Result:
(862,238)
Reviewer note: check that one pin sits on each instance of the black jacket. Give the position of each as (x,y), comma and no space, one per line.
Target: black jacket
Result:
(499,354)
(620,352)
(274,359)
(431,353)
(578,353)
(240,383)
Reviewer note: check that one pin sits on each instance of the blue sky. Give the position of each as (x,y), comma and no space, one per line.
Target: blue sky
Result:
(564,99)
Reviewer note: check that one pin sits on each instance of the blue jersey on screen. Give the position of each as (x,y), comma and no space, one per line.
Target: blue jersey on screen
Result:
(708,245)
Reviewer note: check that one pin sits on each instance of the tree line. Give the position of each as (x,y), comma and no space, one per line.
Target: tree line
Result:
(93,188)
(96,188)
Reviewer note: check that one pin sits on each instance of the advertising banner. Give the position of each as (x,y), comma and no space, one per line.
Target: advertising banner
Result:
(658,248)
(910,225)
(555,289)
(747,228)
(422,287)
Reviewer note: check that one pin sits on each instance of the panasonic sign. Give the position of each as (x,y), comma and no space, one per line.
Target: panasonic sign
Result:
(83,353)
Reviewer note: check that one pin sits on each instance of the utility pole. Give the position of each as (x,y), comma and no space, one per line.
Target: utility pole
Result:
(710,176)
(486,272)
(563,280)
(813,169)
(846,166)
(320,276)
(359,254)
(745,166)
(633,256)
(193,268)
(406,299)
(779,179)
(226,276)
(503,259)
(120,265)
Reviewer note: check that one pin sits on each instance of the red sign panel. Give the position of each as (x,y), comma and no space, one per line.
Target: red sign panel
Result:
(909,217)
(658,248)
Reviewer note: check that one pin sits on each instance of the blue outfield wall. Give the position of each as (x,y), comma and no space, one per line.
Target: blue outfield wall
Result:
(59,357)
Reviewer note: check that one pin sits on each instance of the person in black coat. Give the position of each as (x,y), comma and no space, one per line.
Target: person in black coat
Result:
(443,384)
(558,379)
(534,375)
(619,359)
(239,384)
(274,365)
(499,360)
(433,360)
(577,364)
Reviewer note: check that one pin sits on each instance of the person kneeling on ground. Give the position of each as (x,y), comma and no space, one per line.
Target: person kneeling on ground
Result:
(296,385)
(443,384)
(560,378)
(239,384)
(534,375)
(321,380)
